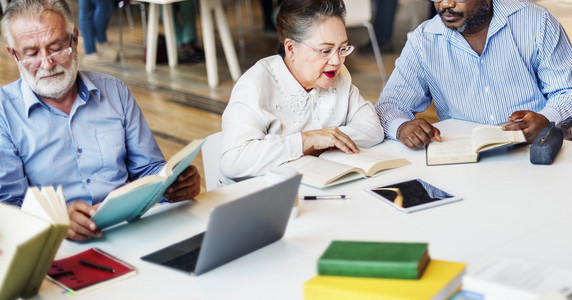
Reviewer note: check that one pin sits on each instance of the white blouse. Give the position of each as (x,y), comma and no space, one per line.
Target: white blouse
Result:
(268,109)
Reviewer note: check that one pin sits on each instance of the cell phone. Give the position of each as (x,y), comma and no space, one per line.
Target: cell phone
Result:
(411,195)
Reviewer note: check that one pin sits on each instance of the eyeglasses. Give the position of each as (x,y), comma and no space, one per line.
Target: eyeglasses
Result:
(34,62)
(328,53)
(456,1)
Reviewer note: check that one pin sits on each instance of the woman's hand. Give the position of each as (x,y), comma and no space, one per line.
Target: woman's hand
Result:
(320,140)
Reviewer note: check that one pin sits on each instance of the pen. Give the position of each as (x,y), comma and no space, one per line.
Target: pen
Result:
(325,197)
(510,122)
(96,266)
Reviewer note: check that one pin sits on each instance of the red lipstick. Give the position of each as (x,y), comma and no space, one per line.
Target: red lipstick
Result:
(330,74)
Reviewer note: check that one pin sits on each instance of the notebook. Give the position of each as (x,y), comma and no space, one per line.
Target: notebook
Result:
(229,234)
(88,270)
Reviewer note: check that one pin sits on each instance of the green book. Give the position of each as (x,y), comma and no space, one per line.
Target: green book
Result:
(374,259)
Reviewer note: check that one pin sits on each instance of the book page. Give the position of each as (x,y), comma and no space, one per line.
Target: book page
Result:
(451,149)
(368,160)
(35,204)
(319,172)
(511,276)
(487,137)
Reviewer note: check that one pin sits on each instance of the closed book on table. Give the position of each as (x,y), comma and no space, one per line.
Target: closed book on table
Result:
(88,270)
(440,280)
(374,259)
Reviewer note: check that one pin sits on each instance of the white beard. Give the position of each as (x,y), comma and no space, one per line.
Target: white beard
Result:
(51,88)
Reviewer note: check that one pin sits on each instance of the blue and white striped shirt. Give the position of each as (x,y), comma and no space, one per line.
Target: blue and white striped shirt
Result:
(526,64)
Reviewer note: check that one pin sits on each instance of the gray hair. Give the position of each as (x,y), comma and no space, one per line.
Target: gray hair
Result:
(296,17)
(34,8)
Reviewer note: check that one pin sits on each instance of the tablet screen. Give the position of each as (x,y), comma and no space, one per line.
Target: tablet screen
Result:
(412,195)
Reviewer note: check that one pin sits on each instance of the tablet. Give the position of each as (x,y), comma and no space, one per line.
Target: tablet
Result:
(411,195)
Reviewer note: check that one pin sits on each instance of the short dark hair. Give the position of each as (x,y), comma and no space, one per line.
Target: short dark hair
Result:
(18,8)
(296,17)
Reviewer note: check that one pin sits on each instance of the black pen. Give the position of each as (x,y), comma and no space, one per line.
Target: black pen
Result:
(96,266)
(325,197)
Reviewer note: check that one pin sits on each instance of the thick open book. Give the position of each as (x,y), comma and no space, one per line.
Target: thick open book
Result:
(334,166)
(131,201)
(466,148)
(29,240)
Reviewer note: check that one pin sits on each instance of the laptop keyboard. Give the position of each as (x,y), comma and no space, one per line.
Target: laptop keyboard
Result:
(186,262)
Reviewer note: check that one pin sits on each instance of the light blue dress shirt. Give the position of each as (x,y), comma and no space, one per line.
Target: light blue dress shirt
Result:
(103,143)
(526,65)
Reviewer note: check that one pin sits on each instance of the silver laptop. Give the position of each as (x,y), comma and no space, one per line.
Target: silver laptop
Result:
(234,229)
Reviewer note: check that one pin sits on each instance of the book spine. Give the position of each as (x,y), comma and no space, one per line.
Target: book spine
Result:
(367,269)
(313,291)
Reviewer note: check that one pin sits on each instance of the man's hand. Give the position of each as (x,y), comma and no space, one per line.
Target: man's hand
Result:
(417,133)
(321,139)
(81,226)
(186,187)
(530,123)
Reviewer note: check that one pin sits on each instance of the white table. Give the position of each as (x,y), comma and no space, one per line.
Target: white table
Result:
(509,206)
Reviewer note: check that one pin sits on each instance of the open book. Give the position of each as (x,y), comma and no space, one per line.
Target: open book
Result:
(131,201)
(466,148)
(334,166)
(29,240)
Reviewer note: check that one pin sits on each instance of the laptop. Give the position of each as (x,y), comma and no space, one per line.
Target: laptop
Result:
(234,229)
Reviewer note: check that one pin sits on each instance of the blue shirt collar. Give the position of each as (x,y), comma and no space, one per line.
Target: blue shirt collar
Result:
(85,88)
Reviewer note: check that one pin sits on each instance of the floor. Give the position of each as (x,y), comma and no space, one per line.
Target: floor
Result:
(178,104)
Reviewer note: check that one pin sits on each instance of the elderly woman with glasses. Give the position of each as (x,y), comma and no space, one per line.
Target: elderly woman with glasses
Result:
(300,102)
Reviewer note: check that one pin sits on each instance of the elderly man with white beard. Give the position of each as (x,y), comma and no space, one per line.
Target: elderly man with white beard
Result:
(61,126)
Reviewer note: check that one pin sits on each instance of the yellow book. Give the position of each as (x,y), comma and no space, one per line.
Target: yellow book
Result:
(440,280)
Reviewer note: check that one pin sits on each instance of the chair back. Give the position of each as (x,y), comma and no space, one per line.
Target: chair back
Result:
(357,12)
(211,160)
(3,5)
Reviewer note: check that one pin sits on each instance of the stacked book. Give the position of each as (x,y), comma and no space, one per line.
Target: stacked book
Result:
(382,270)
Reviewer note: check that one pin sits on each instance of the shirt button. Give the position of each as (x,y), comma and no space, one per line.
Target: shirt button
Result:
(88,180)
(482,61)
(486,89)
(79,150)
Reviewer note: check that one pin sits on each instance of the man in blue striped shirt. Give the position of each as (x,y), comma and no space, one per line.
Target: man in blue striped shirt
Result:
(486,61)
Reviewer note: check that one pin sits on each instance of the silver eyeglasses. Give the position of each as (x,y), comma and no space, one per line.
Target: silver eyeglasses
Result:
(34,62)
(328,53)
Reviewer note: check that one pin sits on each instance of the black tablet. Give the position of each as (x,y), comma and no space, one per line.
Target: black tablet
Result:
(411,195)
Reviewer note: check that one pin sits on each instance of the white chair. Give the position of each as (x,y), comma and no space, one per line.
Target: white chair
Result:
(358,13)
(4,4)
(207,8)
(126,5)
(211,161)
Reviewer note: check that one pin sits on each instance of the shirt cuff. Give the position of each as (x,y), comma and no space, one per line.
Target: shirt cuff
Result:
(393,126)
(551,114)
(293,146)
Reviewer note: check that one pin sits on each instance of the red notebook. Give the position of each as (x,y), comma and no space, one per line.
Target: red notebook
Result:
(88,270)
